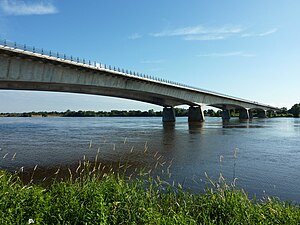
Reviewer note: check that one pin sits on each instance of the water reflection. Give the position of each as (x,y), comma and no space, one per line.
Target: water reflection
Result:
(169,125)
(243,123)
(195,127)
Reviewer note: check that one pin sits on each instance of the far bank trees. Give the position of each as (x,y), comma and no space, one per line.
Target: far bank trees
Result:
(295,110)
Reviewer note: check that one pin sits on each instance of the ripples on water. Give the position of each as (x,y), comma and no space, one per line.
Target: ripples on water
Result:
(268,150)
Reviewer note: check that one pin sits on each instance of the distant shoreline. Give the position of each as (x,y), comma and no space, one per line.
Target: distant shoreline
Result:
(179,112)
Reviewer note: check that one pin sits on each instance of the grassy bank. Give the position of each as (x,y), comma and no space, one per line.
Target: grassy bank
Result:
(142,200)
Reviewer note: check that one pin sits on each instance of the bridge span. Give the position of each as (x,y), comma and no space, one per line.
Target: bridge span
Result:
(28,68)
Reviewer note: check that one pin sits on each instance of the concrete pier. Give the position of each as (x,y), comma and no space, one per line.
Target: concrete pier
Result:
(195,114)
(226,114)
(168,115)
(250,114)
(244,114)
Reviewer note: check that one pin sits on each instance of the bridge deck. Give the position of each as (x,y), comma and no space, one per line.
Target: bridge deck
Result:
(48,57)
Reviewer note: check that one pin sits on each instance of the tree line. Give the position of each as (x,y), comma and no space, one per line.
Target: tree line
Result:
(294,111)
(179,112)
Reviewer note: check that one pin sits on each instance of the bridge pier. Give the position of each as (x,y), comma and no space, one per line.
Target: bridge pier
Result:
(262,114)
(195,114)
(244,114)
(226,114)
(168,114)
(250,114)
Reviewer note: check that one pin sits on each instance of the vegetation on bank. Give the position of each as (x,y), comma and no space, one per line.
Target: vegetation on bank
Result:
(140,200)
(294,111)
(284,112)
(113,113)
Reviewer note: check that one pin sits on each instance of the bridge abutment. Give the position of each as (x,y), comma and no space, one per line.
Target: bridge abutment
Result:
(168,115)
(195,114)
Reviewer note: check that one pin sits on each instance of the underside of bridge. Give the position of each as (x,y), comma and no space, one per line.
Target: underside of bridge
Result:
(195,114)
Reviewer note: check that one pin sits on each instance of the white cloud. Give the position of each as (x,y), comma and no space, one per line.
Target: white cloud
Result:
(135,36)
(201,33)
(268,32)
(19,7)
(204,33)
(203,37)
(198,30)
(274,30)
(227,54)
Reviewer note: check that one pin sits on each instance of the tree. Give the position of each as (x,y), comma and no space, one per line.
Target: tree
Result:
(151,112)
(181,112)
(283,110)
(295,110)
(210,112)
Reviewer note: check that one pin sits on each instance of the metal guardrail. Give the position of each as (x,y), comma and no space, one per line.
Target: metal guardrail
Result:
(83,61)
(98,65)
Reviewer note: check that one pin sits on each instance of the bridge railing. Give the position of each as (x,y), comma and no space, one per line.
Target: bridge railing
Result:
(57,55)
(98,65)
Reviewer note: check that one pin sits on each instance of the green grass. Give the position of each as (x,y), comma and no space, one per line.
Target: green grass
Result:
(141,200)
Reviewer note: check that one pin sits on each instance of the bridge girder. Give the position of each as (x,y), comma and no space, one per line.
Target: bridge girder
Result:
(27,71)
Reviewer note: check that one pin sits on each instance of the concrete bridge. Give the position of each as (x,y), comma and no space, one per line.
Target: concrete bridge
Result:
(28,68)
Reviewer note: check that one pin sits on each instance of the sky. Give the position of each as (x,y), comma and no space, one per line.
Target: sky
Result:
(247,49)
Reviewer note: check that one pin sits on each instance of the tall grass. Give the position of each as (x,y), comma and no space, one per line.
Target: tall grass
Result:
(92,195)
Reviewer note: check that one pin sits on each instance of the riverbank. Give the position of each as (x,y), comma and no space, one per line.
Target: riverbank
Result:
(179,112)
(114,199)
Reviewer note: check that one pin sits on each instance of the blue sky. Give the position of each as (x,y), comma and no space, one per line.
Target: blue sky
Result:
(247,49)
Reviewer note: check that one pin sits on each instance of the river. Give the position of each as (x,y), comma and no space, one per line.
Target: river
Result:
(263,154)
